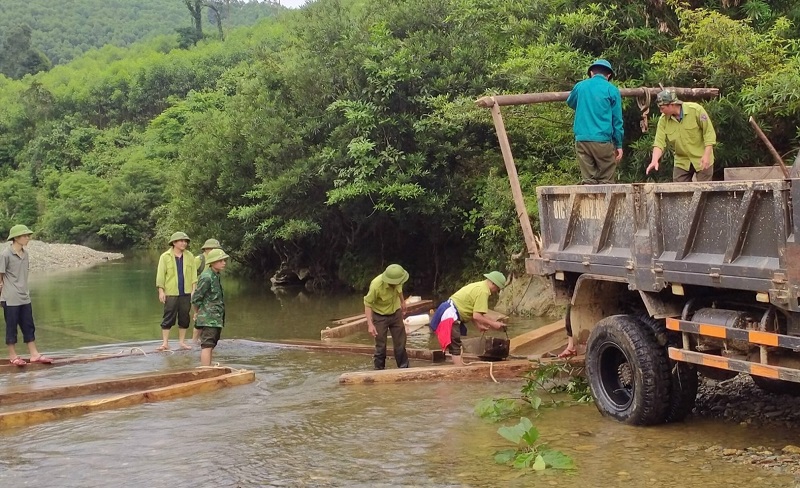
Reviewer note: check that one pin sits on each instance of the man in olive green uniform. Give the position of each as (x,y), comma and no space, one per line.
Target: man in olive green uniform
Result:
(201,266)
(210,305)
(385,307)
(686,128)
(468,304)
(176,278)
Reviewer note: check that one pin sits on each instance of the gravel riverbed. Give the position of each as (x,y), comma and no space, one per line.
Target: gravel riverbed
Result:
(52,257)
(739,400)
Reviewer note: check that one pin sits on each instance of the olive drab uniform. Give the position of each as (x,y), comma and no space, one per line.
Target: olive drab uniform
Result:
(208,298)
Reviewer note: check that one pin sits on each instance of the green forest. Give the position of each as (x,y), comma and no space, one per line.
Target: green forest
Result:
(62,31)
(344,135)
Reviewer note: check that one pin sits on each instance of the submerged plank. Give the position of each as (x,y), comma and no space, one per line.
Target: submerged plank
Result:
(35,416)
(477,370)
(474,371)
(116,385)
(62,361)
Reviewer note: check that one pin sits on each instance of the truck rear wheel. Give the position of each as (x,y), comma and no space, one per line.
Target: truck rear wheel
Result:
(628,371)
(777,386)
(683,376)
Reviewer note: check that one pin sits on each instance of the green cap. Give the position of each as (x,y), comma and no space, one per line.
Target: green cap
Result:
(216,255)
(211,244)
(19,230)
(497,278)
(667,97)
(395,275)
(179,236)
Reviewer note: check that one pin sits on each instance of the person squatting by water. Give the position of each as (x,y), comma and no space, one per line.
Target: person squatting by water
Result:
(686,128)
(209,305)
(201,266)
(598,124)
(385,307)
(176,278)
(470,303)
(15,296)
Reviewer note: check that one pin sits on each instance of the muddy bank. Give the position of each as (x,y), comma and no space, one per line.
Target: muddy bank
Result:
(52,257)
(529,296)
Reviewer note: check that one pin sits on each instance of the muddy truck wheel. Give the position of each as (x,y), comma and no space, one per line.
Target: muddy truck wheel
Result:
(779,387)
(628,371)
(683,376)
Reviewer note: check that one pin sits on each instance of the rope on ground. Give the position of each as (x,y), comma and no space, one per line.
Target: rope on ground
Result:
(491,366)
(138,349)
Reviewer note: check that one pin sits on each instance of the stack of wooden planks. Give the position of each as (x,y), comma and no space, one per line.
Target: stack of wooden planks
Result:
(358,323)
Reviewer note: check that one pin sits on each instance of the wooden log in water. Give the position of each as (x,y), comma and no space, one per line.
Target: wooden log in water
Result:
(541,341)
(5,366)
(340,347)
(36,416)
(478,370)
(360,324)
(474,371)
(99,387)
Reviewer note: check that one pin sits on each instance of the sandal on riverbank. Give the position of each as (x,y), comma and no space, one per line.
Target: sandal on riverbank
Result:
(17,361)
(162,348)
(42,360)
(567,353)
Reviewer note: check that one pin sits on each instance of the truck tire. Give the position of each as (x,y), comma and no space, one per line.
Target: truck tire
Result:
(682,391)
(779,387)
(628,371)
(683,376)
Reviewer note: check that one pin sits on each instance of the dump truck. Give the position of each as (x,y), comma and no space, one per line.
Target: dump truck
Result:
(669,280)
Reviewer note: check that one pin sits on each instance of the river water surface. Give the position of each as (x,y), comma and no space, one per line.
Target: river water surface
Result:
(296,426)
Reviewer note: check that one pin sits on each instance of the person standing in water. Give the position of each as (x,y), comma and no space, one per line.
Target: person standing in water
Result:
(385,307)
(201,266)
(209,305)
(176,278)
(16,297)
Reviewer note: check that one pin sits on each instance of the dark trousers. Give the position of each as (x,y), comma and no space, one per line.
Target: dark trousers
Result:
(390,324)
(177,308)
(22,316)
(683,176)
(597,162)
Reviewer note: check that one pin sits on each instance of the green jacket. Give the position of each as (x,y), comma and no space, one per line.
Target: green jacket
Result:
(382,298)
(208,298)
(687,137)
(471,298)
(167,273)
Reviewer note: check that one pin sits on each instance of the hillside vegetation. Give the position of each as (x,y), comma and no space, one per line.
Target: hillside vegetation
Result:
(65,30)
(344,135)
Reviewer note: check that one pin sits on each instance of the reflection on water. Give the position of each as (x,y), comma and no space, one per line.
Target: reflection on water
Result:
(296,427)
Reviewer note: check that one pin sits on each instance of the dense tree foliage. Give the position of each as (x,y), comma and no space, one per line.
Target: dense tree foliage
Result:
(63,30)
(344,135)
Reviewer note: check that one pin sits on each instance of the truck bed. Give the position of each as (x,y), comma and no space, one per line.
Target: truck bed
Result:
(728,234)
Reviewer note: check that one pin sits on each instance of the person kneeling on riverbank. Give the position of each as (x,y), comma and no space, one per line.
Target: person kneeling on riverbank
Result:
(385,307)
(176,279)
(209,312)
(16,298)
(470,303)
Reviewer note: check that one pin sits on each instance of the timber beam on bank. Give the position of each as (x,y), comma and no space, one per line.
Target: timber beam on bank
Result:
(480,370)
(358,323)
(538,342)
(22,418)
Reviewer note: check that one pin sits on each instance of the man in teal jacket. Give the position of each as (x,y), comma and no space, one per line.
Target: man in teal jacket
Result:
(598,124)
